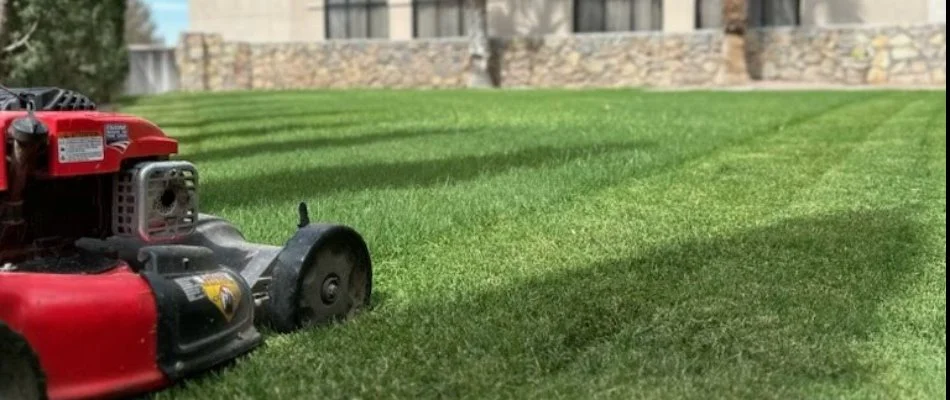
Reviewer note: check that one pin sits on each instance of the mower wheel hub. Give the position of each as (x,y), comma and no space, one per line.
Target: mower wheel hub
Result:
(330,287)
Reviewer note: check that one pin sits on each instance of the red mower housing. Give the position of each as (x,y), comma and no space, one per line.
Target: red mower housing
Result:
(112,283)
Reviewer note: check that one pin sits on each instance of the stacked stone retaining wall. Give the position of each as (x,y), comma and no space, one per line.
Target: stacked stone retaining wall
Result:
(913,54)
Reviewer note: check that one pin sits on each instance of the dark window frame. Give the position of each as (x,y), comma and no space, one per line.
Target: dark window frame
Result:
(754,21)
(603,23)
(698,14)
(438,4)
(765,6)
(367,5)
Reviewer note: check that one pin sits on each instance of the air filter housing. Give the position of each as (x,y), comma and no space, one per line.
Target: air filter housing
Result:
(156,201)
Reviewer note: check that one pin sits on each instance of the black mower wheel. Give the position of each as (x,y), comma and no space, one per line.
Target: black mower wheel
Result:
(20,374)
(332,284)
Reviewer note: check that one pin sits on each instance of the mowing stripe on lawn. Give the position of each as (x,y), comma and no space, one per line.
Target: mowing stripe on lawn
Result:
(320,183)
(719,165)
(304,181)
(328,179)
(544,359)
(648,363)
(906,334)
(567,241)
(703,265)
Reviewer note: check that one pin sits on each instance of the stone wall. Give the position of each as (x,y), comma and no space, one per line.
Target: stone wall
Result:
(344,64)
(608,60)
(191,59)
(849,55)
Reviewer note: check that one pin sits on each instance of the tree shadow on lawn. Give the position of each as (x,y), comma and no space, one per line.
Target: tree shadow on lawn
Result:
(188,102)
(304,183)
(261,130)
(766,307)
(257,114)
(266,147)
(301,184)
(769,312)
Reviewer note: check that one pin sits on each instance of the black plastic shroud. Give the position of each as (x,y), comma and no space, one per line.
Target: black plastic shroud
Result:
(46,99)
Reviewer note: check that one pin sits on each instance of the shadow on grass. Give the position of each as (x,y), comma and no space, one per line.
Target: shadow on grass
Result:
(774,306)
(263,114)
(261,130)
(265,147)
(766,313)
(304,183)
(301,184)
(175,102)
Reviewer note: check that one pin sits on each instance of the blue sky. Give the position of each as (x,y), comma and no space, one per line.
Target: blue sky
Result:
(171,18)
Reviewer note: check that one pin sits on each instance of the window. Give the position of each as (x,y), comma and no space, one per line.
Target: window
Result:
(708,14)
(760,13)
(349,19)
(773,12)
(438,18)
(617,15)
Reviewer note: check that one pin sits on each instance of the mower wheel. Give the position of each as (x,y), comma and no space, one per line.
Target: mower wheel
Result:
(331,284)
(20,374)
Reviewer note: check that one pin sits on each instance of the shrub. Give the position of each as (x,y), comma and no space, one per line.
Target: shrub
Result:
(76,44)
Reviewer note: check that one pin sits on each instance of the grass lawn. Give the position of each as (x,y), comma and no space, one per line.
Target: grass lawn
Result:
(595,244)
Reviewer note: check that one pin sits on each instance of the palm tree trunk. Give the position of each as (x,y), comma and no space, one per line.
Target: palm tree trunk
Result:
(479,50)
(734,69)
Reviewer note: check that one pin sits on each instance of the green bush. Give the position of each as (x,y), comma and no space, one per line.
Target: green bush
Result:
(77,44)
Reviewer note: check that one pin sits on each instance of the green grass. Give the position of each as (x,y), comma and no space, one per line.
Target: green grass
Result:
(595,244)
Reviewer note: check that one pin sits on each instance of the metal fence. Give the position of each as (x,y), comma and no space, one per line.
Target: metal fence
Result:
(152,70)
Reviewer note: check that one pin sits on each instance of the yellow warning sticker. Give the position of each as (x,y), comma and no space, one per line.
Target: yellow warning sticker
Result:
(224,292)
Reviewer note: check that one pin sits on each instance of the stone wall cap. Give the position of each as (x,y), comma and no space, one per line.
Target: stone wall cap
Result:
(148,47)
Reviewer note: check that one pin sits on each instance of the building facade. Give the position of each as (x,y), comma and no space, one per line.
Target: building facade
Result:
(259,21)
(239,44)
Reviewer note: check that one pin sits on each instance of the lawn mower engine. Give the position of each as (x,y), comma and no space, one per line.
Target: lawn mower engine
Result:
(112,283)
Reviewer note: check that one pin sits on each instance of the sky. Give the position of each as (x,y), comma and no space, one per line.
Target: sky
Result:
(171,18)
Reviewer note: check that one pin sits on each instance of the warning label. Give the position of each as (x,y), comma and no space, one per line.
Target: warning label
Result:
(80,147)
(219,288)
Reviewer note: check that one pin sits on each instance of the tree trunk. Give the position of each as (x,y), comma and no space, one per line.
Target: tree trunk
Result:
(479,48)
(734,69)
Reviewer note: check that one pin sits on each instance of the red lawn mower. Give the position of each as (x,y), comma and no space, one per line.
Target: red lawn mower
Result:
(113,284)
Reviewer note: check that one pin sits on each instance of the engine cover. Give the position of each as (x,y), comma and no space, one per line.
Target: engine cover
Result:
(156,202)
